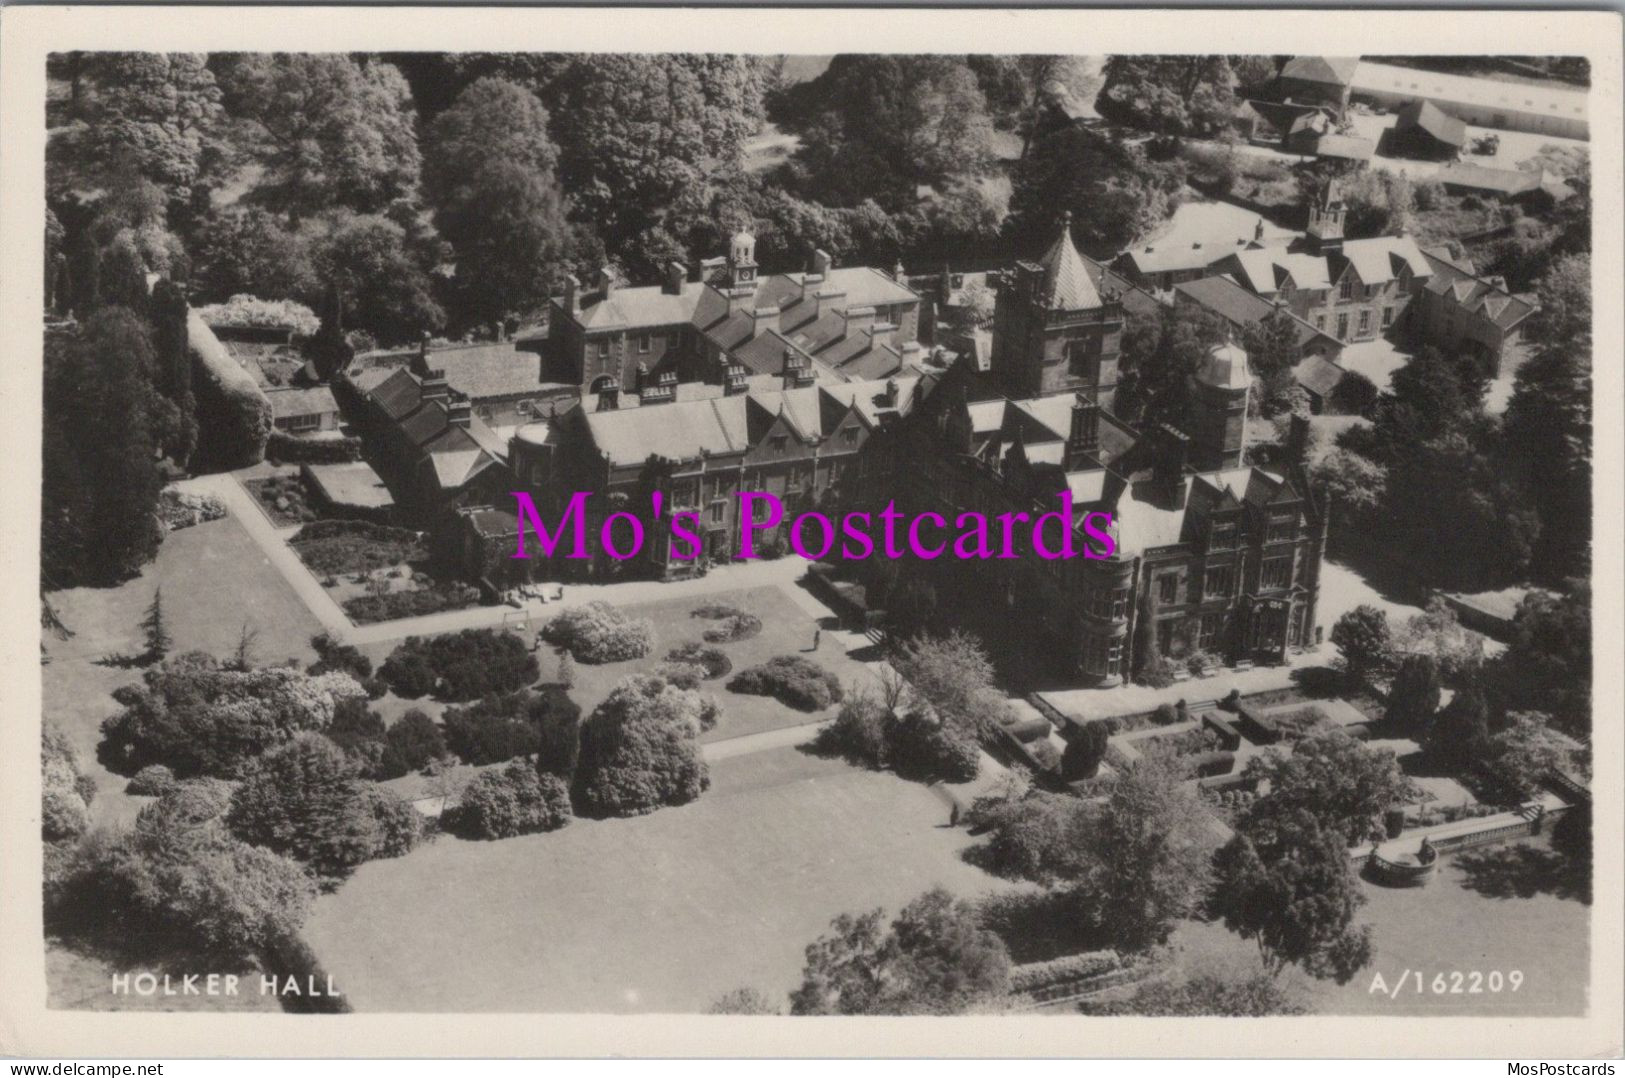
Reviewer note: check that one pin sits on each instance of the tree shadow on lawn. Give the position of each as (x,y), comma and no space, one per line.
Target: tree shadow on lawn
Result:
(1523,871)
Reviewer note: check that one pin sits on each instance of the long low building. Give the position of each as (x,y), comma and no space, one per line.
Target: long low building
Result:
(1511,106)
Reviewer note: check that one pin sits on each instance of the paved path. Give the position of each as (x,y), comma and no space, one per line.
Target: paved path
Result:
(752,743)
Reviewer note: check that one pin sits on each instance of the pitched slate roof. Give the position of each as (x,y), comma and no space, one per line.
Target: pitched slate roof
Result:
(294,402)
(1434,120)
(1134,299)
(1379,258)
(489,371)
(677,431)
(1227,299)
(1318,375)
(1501,181)
(1476,295)
(1331,70)
(1345,147)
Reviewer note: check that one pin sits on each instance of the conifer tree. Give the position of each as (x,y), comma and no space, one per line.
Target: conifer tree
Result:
(155,630)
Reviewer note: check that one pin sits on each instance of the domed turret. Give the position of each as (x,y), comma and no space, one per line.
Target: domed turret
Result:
(1226,368)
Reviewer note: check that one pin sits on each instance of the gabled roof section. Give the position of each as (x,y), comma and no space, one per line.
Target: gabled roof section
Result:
(1476,295)
(1434,120)
(398,395)
(1330,70)
(1067,284)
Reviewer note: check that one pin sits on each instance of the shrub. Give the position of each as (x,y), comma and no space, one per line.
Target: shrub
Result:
(460,666)
(305,799)
(400,826)
(332,655)
(857,733)
(683,675)
(1038,837)
(247,310)
(734,628)
(409,673)
(178,881)
(178,509)
(1354,394)
(640,750)
(542,722)
(1084,752)
(715,611)
(513,800)
(196,717)
(714,660)
(922,748)
(1072,967)
(65,793)
(1165,715)
(793,681)
(492,731)
(599,633)
(154,780)
(410,744)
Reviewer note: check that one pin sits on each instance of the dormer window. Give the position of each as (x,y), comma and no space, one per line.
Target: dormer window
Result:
(1347,291)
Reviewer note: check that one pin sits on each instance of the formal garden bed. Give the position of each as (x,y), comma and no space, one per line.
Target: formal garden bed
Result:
(284,499)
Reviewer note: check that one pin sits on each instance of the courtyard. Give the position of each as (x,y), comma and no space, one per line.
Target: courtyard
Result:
(658,913)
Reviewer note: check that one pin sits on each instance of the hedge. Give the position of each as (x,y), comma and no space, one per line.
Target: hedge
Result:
(285,448)
(1035,975)
(234,415)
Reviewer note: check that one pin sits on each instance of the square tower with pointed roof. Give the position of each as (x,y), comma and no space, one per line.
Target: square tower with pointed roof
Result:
(1053,330)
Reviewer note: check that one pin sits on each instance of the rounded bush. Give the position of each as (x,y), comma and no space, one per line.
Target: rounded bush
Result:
(509,801)
(714,660)
(154,780)
(599,633)
(791,680)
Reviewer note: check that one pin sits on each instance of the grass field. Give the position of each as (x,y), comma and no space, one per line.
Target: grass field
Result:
(1462,920)
(214,579)
(659,913)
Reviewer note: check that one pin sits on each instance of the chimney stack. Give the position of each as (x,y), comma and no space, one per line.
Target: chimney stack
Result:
(822,263)
(733,380)
(761,319)
(676,274)
(827,299)
(1172,450)
(796,372)
(434,386)
(891,393)
(859,319)
(572,293)
(606,281)
(1084,437)
(460,413)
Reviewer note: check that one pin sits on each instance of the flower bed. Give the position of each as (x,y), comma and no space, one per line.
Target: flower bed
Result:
(333,547)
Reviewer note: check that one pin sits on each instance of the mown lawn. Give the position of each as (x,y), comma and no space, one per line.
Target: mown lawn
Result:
(658,913)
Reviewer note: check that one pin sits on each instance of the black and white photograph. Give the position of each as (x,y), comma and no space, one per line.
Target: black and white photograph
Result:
(1037,532)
